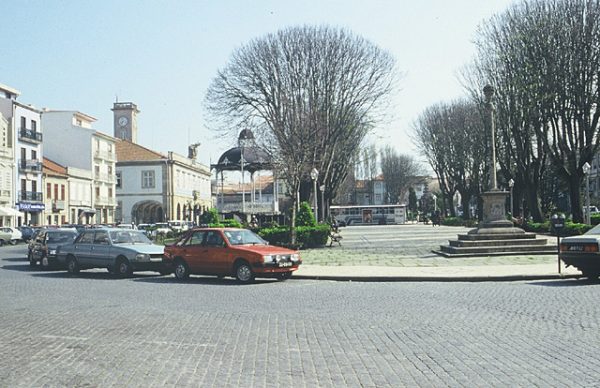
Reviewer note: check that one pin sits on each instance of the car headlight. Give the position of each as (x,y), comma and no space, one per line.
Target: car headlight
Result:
(295,257)
(142,257)
(52,252)
(269,259)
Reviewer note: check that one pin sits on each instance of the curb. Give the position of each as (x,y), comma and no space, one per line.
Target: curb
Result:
(473,279)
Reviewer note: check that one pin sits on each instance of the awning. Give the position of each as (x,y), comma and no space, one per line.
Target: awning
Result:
(88,210)
(10,212)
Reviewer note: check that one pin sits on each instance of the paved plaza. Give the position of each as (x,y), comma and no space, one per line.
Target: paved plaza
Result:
(94,330)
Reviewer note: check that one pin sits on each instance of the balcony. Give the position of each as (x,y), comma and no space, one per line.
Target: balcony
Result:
(249,207)
(30,165)
(102,177)
(30,196)
(30,135)
(58,205)
(105,201)
(5,196)
(105,155)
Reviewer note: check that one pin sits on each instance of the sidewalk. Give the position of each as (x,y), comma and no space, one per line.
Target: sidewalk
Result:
(442,274)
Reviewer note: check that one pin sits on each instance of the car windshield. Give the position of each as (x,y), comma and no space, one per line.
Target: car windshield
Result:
(243,236)
(594,230)
(61,237)
(129,237)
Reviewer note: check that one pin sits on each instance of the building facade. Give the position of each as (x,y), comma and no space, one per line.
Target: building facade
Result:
(152,187)
(24,135)
(91,151)
(56,183)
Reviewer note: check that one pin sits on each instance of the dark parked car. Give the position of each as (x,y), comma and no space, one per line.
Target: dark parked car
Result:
(121,251)
(26,232)
(43,247)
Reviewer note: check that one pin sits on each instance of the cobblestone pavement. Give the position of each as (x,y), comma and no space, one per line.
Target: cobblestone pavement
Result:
(407,245)
(151,331)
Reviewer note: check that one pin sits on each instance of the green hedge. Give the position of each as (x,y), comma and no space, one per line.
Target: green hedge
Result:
(570,229)
(458,221)
(306,236)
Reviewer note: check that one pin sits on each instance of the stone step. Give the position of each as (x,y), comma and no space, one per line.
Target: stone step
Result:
(488,243)
(499,250)
(507,236)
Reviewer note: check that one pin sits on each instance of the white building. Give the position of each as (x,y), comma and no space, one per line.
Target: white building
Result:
(24,136)
(72,142)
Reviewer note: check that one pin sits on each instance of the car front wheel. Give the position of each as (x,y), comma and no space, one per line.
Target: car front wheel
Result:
(72,265)
(181,271)
(243,273)
(124,269)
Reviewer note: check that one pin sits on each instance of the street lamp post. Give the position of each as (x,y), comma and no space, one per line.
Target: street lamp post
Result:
(314,174)
(322,188)
(586,170)
(511,184)
(434,202)
(488,92)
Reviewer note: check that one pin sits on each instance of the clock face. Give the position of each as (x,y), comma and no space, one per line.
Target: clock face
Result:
(123,121)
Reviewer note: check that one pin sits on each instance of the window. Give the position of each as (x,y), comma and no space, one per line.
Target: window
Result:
(49,190)
(62,193)
(33,125)
(34,154)
(147,179)
(23,123)
(55,191)
(97,192)
(118,179)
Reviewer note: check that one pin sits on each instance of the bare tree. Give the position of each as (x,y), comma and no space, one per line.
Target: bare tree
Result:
(543,56)
(311,94)
(452,138)
(399,173)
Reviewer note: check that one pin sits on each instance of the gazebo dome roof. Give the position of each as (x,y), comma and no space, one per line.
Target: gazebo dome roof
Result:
(255,159)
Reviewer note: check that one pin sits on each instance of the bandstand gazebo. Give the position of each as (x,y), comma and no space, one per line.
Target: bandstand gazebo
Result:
(247,157)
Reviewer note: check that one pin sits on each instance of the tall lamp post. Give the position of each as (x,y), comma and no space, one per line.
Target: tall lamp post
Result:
(511,184)
(322,188)
(314,175)
(488,92)
(586,171)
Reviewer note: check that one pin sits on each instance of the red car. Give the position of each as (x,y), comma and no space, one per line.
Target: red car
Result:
(229,252)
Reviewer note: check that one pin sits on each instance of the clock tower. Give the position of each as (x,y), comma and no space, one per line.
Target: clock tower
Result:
(125,121)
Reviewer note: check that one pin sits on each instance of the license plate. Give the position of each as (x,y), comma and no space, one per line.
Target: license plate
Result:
(285,264)
(576,248)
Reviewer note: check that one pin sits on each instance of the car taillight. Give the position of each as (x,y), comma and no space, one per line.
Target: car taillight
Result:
(590,248)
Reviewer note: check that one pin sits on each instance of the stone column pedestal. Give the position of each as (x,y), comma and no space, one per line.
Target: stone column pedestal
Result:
(494,215)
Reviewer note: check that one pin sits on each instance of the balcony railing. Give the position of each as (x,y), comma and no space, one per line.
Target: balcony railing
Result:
(103,177)
(33,196)
(106,201)
(30,165)
(106,155)
(30,135)
(249,207)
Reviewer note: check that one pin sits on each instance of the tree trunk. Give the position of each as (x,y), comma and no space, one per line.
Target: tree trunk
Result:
(575,196)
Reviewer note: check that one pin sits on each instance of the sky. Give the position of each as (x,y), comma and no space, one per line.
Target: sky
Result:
(83,55)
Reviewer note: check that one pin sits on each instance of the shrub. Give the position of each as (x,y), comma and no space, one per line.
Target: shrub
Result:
(595,219)
(305,216)
(211,216)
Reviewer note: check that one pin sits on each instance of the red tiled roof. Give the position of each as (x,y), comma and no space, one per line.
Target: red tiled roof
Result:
(51,167)
(128,152)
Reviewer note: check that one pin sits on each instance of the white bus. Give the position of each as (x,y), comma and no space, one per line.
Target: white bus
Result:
(369,214)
